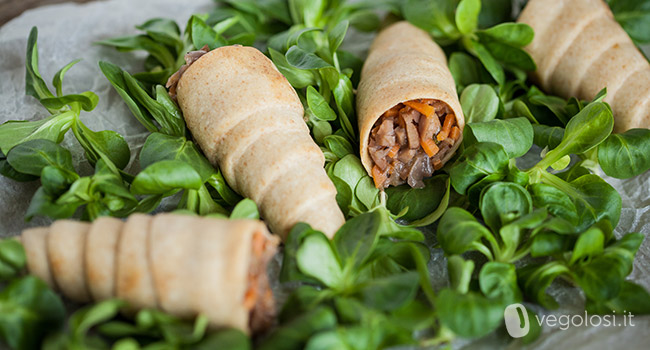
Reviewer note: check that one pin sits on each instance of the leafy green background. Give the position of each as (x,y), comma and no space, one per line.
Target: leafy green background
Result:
(105,20)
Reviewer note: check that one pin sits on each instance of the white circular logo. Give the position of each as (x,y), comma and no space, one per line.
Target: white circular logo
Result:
(516,318)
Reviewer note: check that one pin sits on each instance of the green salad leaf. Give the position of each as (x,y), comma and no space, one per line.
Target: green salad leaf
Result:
(508,228)
(30,310)
(625,155)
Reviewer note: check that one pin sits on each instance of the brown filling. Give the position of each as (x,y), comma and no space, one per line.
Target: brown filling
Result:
(259,297)
(190,58)
(410,141)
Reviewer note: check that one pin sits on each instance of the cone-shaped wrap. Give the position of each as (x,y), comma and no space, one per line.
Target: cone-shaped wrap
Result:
(183,265)
(403,64)
(579,49)
(248,120)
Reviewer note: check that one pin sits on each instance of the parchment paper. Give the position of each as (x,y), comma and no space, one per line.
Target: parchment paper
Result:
(67,32)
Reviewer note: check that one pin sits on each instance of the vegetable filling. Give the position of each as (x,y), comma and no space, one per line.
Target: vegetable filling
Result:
(410,141)
(190,57)
(259,297)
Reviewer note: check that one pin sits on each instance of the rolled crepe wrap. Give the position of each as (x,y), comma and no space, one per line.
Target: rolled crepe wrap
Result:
(405,70)
(580,49)
(65,247)
(248,120)
(37,257)
(101,245)
(133,281)
(183,265)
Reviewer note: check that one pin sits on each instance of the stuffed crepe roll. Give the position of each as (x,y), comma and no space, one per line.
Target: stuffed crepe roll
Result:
(248,120)
(183,265)
(410,119)
(580,49)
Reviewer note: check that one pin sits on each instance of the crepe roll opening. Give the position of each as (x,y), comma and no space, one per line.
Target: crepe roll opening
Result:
(190,57)
(259,297)
(409,142)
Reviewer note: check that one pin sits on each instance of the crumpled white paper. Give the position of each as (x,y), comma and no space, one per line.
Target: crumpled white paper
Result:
(67,32)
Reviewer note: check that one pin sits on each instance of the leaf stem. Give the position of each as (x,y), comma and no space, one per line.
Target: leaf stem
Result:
(444,335)
(335,58)
(560,184)
(483,250)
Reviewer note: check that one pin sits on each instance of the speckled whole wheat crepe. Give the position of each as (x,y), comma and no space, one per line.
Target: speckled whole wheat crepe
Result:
(101,243)
(248,120)
(183,265)
(403,64)
(579,49)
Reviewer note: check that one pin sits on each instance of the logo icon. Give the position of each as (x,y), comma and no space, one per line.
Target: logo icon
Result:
(516,318)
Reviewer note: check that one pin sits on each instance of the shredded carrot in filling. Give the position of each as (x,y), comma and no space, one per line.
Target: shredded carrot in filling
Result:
(429,147)
(410,141)
(422,108)
(378,176)
(446,127)
(258,298)
(250,298)
(455,133)
(393,151)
